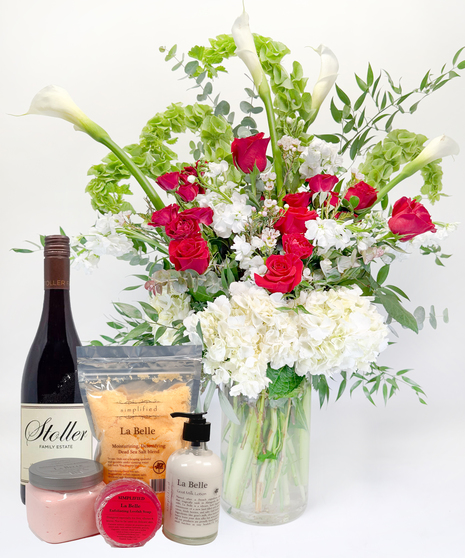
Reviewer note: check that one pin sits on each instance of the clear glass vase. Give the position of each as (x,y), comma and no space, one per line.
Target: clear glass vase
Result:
(266,458)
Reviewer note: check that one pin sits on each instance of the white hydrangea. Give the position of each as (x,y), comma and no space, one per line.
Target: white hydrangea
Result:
(170,307)
(320,157)
(327,234)
(245,333)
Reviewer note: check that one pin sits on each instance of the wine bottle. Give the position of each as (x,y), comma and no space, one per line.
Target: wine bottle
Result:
(53,418)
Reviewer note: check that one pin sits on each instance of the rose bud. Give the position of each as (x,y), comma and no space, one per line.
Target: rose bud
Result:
(409,219)
(293,221)
(301,199)
(164,216)
(248,152)
(168,181)
(365,193)
(322,183)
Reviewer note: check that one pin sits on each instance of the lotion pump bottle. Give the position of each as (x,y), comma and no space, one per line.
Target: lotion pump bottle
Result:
(193,486)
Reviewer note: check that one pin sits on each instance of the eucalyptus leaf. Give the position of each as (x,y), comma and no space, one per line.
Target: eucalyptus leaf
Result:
(210,391)
(227,409)
(128,310)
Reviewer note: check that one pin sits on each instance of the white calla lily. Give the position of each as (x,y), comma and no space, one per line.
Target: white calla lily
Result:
(57,102)
(245,48)
(328,74)
(437,148)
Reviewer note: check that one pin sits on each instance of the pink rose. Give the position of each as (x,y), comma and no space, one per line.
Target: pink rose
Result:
(409,219)
(190,253)
(248,152)
(168,181)
(301,199)
(322,183)
(293,221)
(182,227)
(365,193)
(164,216)
(297,244)
(203,215)
(283,275)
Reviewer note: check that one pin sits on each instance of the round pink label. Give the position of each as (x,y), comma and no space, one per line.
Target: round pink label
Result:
(129,517)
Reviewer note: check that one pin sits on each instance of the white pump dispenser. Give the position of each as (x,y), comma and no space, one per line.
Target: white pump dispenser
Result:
(193,486)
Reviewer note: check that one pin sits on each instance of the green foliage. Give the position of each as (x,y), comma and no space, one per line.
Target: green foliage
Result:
(358,127)
(284,382)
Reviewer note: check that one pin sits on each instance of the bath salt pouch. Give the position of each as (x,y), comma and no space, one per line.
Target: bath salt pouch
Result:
(129,394)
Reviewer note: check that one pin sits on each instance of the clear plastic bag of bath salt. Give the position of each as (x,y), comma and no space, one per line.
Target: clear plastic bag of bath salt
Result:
(129,394)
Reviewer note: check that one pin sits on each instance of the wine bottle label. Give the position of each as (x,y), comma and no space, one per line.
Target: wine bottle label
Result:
(51,431)
(56,273)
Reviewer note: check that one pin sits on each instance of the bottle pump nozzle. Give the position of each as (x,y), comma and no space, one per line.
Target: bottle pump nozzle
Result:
(196,430)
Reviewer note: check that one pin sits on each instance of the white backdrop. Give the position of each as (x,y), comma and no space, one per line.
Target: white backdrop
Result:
(385,481)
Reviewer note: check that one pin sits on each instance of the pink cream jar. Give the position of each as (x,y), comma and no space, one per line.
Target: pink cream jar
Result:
(60,498)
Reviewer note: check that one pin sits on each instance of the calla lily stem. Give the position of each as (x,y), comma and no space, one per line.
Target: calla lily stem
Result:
(264,92)
(133,169)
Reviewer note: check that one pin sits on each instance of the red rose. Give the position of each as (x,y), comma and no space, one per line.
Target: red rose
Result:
(322,183)
(188,191)
(284,273)
(365,193)
(164,216)
(248,152)
(190,253)
(409,219)
(203,215)
(190,171)
(301,199)
(168,181)
(293,221)
(297,244)
(182,227)
(334,199)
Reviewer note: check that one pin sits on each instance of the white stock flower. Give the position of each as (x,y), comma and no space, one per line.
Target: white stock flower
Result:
(86,261)
(216,169)
(170,307)
(112,245)
(241,247)
(327,234)
(327,78)
(108,222)
(320,157)
(228,218)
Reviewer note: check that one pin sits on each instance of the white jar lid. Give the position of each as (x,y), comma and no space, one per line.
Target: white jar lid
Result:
(66,473)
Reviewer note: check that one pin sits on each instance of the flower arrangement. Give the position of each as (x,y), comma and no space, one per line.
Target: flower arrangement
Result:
(275,249)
